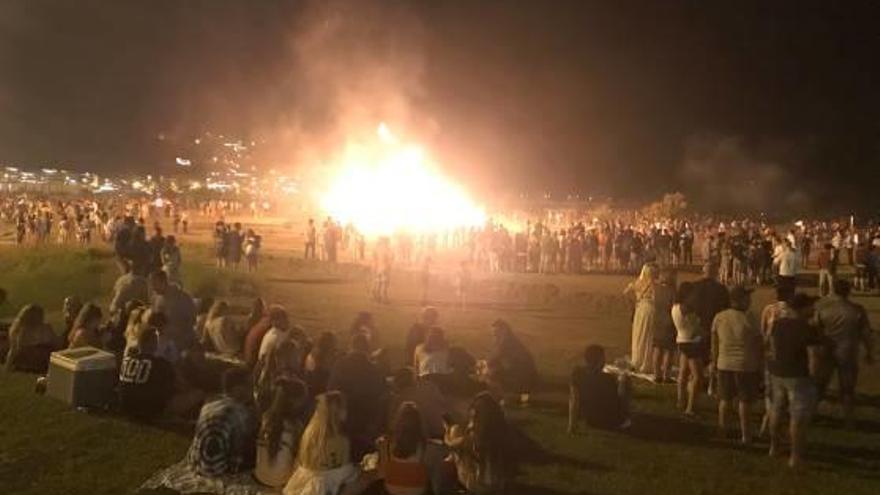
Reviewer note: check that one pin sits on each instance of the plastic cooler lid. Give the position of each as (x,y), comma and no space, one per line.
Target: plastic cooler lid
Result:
(84,359)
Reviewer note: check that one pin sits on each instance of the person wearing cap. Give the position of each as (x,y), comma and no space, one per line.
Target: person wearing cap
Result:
(737,353)
(795,353)
(845,326)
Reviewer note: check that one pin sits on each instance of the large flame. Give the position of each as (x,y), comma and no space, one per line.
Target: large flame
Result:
(389,187)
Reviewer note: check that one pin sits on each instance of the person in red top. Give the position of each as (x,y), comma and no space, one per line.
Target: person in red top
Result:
(408,461)
(254,338)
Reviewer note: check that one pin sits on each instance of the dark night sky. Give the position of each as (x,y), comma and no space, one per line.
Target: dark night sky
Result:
(624,97)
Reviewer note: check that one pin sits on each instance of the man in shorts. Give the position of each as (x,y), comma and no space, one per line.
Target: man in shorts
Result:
(845,327)
(737,353)
(794,356)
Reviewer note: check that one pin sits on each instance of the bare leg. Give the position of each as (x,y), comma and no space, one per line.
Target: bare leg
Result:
(797,430)
(696,383)
(744,427)
(681,386)
(657,358)
(723,407)
(774,432)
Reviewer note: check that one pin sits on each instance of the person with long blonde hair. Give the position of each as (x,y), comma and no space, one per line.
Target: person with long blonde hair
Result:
(324,460)
(643,319)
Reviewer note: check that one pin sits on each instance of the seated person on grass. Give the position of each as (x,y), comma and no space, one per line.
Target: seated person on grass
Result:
(146,381)
(31,341)
(223,447)
(598,398)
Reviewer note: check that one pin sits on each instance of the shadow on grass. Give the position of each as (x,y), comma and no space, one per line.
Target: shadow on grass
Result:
(528,451)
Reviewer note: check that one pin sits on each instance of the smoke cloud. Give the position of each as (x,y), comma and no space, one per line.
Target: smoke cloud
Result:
(726,174)
(354,64)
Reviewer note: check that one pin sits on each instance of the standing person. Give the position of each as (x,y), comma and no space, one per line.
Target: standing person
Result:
(600,399)
(221,243)
(827,260)
(845,326)
(769,315)
(324,458)
(311,240)
(789,264)
(691,341)
(737,353)
(331,240)
(140,252)
(252,245)
(179,310)
(643,319)
(795,352)
(156,245)
(171,260)
(383,258)
(664,328)
(234,249)
(710,298)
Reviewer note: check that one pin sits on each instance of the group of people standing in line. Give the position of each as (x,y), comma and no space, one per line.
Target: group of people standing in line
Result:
(789,353)
(231,245)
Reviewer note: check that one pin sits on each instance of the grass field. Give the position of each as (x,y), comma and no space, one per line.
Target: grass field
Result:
(46,448)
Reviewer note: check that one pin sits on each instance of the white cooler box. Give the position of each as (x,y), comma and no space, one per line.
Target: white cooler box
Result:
(82,377)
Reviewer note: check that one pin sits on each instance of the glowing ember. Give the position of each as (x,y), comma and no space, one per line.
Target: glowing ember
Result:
(390,187)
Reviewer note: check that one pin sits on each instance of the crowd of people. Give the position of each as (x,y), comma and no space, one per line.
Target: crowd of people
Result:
(789,354)
(277,410)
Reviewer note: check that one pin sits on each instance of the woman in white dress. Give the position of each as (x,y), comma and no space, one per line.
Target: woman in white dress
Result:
(643,319)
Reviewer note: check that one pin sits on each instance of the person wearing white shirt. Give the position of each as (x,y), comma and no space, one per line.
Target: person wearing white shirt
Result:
(788,262)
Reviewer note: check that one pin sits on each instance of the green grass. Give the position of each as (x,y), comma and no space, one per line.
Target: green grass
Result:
(47,449)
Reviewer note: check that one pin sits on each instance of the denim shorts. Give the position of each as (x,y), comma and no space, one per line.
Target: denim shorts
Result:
(799,394)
